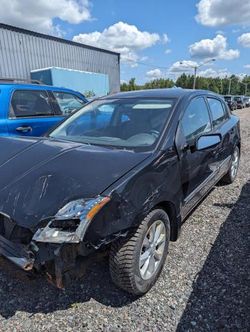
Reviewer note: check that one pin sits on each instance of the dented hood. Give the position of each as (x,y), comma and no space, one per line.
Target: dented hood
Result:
(38,176)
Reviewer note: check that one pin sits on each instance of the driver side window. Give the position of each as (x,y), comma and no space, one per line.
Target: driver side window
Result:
(196,120)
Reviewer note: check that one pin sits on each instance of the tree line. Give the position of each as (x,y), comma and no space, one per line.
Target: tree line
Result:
(227,85)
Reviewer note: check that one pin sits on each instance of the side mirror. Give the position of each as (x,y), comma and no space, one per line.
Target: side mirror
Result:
(207,141)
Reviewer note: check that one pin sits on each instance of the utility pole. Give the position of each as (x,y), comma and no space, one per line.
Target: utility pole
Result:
(229,86)
(246,84)
(195,73)
(245,88)
(221,85)
(196,68)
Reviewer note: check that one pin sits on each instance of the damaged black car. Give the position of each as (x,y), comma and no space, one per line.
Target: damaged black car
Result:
(119,176)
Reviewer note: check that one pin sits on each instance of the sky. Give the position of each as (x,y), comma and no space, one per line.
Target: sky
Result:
(156,38)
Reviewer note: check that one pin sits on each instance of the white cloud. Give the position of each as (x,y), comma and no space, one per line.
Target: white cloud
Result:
(223,12)
(123,38)
(168,51)
(219,32)
(236,30)
(241,76)
(244,39)
(247,66)
(210,72)
(213,48)
(154,73)
(38,15)
(221,73)
(165,38)
(183,66)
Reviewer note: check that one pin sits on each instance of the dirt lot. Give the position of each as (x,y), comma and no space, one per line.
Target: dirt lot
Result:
(204,286)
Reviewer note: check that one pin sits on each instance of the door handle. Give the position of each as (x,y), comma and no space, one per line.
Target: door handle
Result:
(24,129)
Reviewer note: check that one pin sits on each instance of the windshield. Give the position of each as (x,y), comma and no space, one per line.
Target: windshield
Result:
(126,123)
(227,98)
(237,98)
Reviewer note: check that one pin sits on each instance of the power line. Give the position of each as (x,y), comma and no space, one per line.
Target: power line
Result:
(147,64)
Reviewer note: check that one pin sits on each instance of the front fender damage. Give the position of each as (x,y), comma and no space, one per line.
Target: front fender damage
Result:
(60,253)
(60,262)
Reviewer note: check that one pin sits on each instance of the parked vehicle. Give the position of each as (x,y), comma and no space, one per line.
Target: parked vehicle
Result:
(124,184)
(240,101)
(32,109)
(247,101)
(232,104)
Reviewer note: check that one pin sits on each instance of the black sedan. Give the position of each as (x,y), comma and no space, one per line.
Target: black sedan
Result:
(120,176)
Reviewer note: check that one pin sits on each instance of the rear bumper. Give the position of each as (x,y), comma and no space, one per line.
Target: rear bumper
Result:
(16,254)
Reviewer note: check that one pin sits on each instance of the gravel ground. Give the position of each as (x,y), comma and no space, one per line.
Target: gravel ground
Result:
(204,286)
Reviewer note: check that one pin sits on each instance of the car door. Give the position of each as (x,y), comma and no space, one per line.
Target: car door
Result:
(224,127)
(30,113)
(197,168)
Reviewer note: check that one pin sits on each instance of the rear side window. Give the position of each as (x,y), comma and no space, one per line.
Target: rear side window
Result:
(219,113)
(30,104)
(196,119)
(68,102)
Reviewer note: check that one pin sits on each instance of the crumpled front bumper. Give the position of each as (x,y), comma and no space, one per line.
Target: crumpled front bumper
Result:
(16,253)
(58,261)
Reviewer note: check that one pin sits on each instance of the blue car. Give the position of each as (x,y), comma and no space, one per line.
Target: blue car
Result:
(32,109)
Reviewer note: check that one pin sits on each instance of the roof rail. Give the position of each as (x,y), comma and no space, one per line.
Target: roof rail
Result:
(19,80)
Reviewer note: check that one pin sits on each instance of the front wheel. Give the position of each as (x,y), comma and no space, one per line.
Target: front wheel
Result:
(136,262)
(233,169)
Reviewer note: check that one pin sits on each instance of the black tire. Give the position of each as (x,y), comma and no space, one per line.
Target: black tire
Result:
(124,259)
(229,177)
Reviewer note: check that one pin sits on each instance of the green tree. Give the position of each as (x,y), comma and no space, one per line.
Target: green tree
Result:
(216,84)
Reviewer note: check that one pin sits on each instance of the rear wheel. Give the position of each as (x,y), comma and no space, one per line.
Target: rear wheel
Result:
(136,262)
(233,169)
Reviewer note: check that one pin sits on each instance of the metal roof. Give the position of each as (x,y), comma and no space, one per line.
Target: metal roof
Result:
(23,51)
(61,40)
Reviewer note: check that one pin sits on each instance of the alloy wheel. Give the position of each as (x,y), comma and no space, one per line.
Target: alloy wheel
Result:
(235,163)
(152,249)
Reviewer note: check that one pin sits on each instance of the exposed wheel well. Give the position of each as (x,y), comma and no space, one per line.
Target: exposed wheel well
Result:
(239,146)
(175,221)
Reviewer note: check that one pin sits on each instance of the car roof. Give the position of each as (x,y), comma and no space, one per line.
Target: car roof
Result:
(159,93)
(10,85)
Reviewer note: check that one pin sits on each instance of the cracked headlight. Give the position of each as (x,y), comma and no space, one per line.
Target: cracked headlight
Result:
(71,222)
